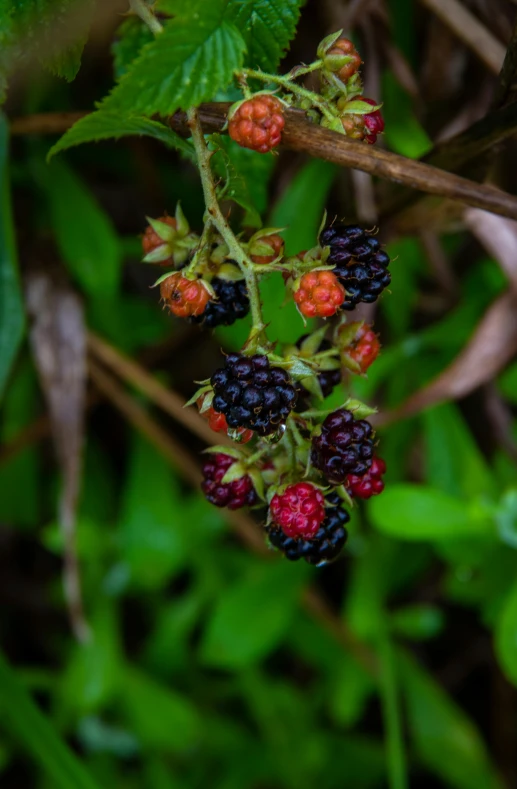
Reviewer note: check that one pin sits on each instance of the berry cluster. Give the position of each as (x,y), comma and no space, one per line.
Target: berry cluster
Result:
(307,464)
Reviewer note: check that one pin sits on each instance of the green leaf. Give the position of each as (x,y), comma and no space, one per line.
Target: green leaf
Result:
(417,512)
(506,636)
(63,57)
(103,125)
(444,738)
(93,674)
(250,618)
(417,621)
(151,527)
(85,235)
(11,304)
(267,26)
(27,725)
(161,718)
(130,37)
(194,57)
(21,472)
(301,206)
(404,133)
(453,460)
(246,174)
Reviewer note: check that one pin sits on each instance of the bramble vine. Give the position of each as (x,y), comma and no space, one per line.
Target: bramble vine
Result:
(306,464)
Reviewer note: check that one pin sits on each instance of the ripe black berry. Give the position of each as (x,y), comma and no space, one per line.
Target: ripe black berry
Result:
(230,304)
(344,447)
(252,394)
(359,262)
(326,544)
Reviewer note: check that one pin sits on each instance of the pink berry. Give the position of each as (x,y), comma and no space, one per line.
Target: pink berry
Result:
(299,510)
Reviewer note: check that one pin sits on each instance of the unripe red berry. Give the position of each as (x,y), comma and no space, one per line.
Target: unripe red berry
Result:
(299,510)
(369,484)
(276,243)
(184,297)
(217,422)
(234,495)
(151,240)
(319,294)
(344,46)
(374,122)
(257,123)
(365,347)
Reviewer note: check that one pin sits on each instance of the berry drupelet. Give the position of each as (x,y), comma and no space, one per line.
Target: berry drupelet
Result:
(319,294)
(359,262)
(326,543)
(234,495)
(299,510)
(345,446)
(217,422)
(257,123)
(369,484)
(253,394)
(230,304)
(184,297)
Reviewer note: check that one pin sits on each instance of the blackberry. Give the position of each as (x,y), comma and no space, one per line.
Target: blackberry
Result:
(359,262)
(325,545)
(328,379)
(234,495)
(231,303)
(345,446)
(252,394)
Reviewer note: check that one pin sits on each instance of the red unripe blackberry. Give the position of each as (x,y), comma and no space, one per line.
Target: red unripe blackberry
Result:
(253,394)
(276,243)
(326,543)
(234,495)
(299,510)
(343,46)
(319,294)
(365,347)
(184,297)
(374,122)
(151,240)
(217,422)
(345,446)
(257,123)
(359,262)
(369,484)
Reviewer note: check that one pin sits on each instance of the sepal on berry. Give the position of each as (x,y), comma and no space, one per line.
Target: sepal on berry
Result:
(327,43)
(360,410)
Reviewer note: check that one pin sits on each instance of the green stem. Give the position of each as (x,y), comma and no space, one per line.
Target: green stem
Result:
(217,219)
(301,71)
(290,440)
(292,87)
(252,459)
(395,752)
(141,9)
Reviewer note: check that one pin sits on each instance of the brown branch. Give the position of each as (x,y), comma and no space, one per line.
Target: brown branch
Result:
(45,122)
(470,30)
(301,135)
(167,399)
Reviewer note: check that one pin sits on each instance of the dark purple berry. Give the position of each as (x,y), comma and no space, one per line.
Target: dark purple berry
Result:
(343,444)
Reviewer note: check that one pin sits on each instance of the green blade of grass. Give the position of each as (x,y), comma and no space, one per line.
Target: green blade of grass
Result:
(24,722)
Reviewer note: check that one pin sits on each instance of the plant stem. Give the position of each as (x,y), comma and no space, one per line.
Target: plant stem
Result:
(395,753)
(286,83)
(219,222)
(141,9)
(290,440)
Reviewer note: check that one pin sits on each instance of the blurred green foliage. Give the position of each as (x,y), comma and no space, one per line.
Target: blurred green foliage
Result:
(204,667)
